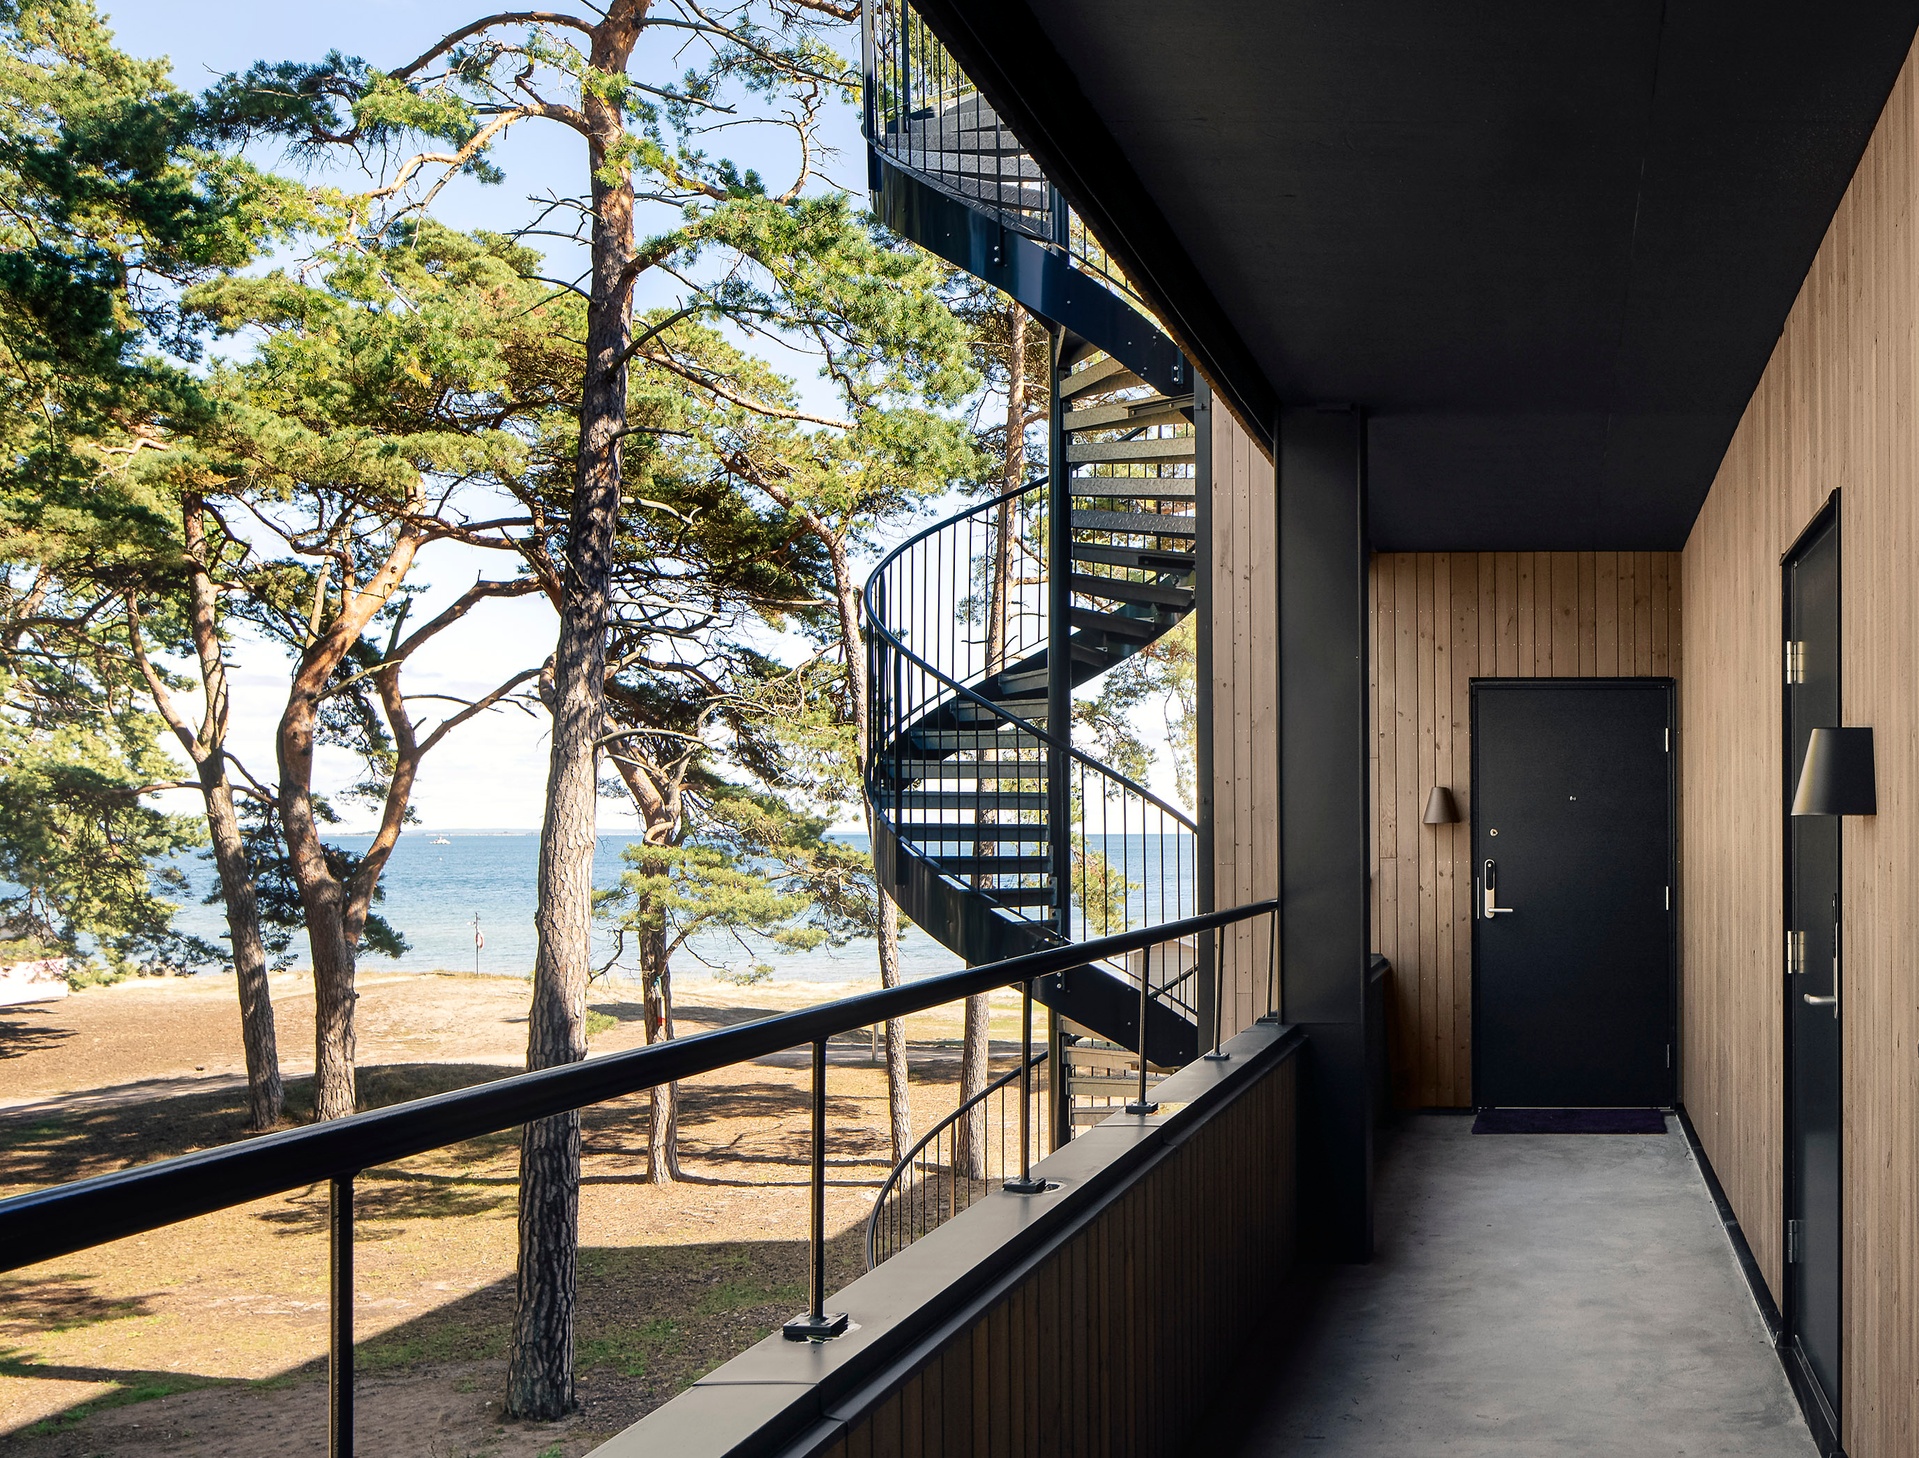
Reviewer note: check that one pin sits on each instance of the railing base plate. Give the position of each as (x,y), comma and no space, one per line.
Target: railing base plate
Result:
(1029,1186)
(807,1327)
(1142,1108)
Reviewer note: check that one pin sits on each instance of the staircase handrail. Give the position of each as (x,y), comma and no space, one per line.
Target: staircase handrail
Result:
(960,690)
(900,1165)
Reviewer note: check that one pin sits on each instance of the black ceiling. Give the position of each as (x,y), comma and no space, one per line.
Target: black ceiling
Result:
(1548,247)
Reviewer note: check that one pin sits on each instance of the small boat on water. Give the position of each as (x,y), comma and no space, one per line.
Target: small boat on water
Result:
(439,840)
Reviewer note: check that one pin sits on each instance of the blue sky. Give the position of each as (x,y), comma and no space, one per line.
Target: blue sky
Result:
(492,771)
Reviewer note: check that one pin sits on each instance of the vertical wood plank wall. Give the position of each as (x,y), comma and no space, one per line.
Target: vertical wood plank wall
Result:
(1834,410)
(1440,620)
(1245,690)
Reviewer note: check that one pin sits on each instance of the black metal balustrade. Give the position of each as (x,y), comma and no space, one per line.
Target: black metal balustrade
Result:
(995,832)
(959,1160)
(926,117)
(46,1224)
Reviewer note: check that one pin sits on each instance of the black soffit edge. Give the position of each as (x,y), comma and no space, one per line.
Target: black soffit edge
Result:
(1547,248)
(1001,46)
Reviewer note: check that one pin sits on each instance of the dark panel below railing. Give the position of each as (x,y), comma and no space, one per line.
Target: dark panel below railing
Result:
(1098,1319)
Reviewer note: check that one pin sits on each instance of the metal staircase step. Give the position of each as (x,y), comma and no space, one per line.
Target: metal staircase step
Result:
(955,134)
(1126,589)
(1134,488)
(1138,523)
(950,158)
(1105,1057)
(967,769)
(1008,802)
(1114,1086)
(935,832)
(1026,707)
(1145,559)
(971,104)
(1131,414)
(1117,625)
(998,740)
(1104,374)
(1022,895)
(1019,682)
(1152,448)
(995,865)
(1095,655)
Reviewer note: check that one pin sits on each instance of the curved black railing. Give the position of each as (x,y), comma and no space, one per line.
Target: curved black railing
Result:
(999,832)
(953,1164)
(926,116)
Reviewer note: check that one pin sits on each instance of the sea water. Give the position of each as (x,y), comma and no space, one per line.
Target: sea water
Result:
(436,895)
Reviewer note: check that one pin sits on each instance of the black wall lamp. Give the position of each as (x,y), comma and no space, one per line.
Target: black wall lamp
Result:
(1441,807)
(1837,777)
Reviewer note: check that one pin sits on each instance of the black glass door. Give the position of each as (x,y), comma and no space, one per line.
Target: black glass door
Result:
(1814,980)
(1572,931)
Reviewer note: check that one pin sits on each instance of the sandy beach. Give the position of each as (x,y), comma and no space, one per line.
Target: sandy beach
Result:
(210,1336)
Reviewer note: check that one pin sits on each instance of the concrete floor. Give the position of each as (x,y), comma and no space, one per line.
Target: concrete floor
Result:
(1557,1294)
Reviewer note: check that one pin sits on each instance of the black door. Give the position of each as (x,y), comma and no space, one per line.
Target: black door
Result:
(1813,991)
(1572,858)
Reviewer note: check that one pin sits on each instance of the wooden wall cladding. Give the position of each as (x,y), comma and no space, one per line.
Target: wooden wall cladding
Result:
(1244,547)
(1440,620)
(1116,1344)
(1834,410)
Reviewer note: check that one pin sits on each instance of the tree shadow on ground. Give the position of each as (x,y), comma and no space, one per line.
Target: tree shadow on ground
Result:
(651,1321)
(33,1305)
(53,1147)
(22,1031)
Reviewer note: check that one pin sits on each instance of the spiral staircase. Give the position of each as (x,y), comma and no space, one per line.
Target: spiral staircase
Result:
(993,831)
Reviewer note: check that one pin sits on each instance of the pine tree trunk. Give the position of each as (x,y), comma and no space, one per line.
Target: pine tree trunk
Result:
(663,1117)
(540,1371)
(969,1149)
(335,1088)
(266,1095)
(322,904)
(898,1103)
(540,1367)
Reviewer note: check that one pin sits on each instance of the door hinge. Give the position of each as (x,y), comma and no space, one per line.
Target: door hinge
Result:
(1795,662)
(1794,1234)
(1795,952)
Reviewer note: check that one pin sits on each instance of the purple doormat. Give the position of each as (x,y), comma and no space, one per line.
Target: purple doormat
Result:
(1570,1121)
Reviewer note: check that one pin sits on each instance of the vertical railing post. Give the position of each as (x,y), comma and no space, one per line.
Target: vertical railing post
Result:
(1142,1104)
(1272,971)
(1218,1054)
(1059,644)
(1026,1184)
(816,1324)
(340,1318)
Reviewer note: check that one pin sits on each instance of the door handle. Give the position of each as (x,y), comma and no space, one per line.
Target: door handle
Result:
(1490,881)
(1833,1001)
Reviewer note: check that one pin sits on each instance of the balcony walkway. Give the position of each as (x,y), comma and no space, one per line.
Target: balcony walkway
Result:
(1531,1295)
